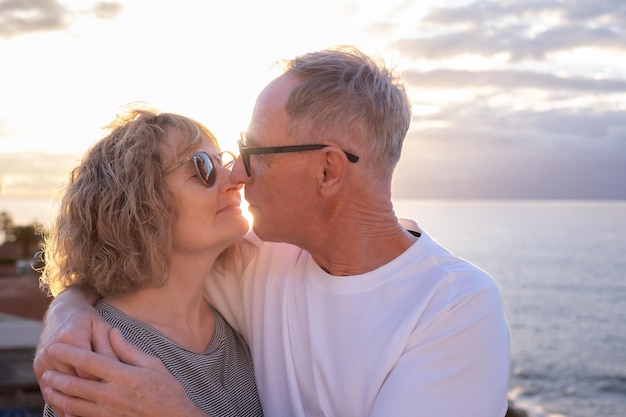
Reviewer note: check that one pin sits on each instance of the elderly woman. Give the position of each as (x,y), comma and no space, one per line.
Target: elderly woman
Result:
(146,215)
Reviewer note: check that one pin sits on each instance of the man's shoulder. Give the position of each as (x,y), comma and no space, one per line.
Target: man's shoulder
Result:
(454,271)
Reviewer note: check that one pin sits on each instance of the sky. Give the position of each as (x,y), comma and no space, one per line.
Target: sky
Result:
(519,99)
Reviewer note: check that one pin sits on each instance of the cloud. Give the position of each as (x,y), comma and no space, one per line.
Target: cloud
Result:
(525,30)
(521,99)
(595,127)
(515,100)
(570,12)
(492,167)
(107,10)
(478,150)
(611,11)
(34,174)
(519,45)
(510,79)
(19,17)
(477,120)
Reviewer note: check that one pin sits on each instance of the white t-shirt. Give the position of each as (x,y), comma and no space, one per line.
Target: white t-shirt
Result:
(424,335)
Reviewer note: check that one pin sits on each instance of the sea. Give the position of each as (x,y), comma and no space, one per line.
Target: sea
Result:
(561,268)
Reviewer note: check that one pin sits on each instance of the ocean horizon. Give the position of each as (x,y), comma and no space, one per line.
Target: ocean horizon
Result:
(28,210)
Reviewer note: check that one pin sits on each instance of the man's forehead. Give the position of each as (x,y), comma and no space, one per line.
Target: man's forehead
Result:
(266,127)
(275,94)
(269,117)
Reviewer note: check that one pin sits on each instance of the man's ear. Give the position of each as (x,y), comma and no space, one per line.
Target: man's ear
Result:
(334,170)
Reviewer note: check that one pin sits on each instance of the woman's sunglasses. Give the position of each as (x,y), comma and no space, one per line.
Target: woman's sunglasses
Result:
(205,165)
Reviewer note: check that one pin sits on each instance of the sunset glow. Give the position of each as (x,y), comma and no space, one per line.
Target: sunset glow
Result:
(532,75)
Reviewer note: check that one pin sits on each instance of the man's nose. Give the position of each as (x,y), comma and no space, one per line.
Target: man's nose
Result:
(238,173)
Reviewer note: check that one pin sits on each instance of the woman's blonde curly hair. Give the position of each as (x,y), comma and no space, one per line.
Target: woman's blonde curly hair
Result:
(113,230)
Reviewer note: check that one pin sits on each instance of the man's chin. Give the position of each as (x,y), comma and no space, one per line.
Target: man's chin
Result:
(258,231)
(262,233)
(260,227)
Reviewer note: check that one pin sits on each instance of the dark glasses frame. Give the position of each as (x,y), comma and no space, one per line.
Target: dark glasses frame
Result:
(245,152)
(205,165)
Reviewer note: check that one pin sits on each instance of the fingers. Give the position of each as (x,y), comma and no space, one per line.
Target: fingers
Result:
(122,390)
(100,342)
(85,361)
(142,387)
(72,394)
(74,406)
(43,362)
(131,354)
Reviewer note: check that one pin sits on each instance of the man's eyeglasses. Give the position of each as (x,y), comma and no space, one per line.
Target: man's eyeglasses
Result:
(205,165)
(245,152)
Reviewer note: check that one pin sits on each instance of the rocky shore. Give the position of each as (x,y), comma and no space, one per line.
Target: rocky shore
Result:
(517,409)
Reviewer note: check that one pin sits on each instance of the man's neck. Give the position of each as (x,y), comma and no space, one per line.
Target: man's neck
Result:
(355,249)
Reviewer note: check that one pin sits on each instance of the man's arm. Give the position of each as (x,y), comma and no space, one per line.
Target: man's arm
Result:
(71,319)
(139,385)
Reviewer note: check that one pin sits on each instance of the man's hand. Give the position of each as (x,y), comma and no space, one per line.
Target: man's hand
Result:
(71,319)
(138,386)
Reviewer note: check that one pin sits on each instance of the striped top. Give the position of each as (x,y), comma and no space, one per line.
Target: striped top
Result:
(219,381)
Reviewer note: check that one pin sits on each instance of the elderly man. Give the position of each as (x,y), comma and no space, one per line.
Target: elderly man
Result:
(353,314)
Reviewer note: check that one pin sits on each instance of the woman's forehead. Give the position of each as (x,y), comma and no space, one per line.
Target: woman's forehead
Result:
(180,142)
